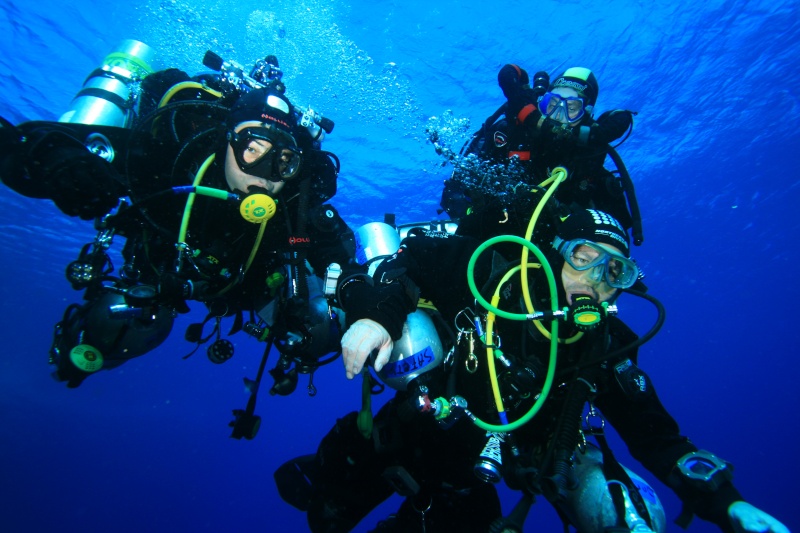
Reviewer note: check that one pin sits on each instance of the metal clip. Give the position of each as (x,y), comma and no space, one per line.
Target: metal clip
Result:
(593,429)
(471,364)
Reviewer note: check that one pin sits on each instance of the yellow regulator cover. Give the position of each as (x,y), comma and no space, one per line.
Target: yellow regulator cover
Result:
(257,208)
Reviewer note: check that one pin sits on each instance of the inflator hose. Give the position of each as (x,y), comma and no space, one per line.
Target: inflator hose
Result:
(567,435)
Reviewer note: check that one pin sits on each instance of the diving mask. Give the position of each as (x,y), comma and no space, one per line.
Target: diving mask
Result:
(604,264)
(564,109)
(266,152)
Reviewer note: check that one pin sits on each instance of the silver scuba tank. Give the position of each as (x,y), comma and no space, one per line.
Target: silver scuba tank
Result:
(590,508)
(108,95)
(419,349)
(374,242)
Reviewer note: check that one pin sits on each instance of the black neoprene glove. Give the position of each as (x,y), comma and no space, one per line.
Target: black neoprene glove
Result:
(611,125)
(513,81)
(512,78)
(522,99)
(79,182)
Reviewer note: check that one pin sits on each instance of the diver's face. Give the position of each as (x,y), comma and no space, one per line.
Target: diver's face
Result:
(567,109)
(587,281)
(238,179)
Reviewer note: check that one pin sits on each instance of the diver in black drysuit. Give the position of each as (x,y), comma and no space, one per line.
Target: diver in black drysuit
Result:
(268,284)
(520,145)
(432,462)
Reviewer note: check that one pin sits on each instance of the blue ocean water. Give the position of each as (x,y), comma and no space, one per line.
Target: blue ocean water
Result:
(713,156)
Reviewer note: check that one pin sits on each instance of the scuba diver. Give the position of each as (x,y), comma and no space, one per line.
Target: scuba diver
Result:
(219,187)
(541,126)
(499,392)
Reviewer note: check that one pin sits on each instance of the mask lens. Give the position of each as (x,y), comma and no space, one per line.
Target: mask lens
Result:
(574,108)
(252,151)
(548,103)
(565,109)
(266,153)
(615,272)
(619,271)
(584,256)
(288,163)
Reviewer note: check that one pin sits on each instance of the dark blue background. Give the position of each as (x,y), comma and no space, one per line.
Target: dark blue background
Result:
(714,157)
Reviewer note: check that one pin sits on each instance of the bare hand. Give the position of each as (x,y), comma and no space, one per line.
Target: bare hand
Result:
(359,341)
(746,518)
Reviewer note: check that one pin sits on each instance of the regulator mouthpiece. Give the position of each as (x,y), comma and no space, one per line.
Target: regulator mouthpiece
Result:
(257,208)
(586,313)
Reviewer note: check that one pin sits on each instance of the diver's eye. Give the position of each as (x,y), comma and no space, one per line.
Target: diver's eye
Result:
(583,256)
(614,270)
(255,150)
(580,260)
(553,103)
(574,106)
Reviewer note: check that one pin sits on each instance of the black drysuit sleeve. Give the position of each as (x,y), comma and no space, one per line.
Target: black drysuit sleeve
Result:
(46,160)
(432,265)
(630,403)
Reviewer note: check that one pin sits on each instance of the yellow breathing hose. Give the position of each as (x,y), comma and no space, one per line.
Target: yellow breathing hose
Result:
(551,370)
(187,210)
(186,85)
(498,399)
(558,176)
